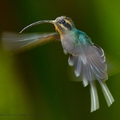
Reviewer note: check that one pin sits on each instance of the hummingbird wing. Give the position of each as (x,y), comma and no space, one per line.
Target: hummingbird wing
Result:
(91,65)
(16,42)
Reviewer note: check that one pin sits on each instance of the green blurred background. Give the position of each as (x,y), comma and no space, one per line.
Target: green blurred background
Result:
(36,84)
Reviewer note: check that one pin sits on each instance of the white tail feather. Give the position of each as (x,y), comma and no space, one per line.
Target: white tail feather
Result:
(94,97)
(108,96)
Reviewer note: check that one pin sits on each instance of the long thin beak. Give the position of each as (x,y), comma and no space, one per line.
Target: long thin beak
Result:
(37,23)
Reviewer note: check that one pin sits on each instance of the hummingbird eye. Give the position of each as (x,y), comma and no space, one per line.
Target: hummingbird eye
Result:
(63,22)
(66,24)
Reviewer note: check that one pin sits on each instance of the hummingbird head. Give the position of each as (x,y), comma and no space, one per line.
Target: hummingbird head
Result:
(63,24)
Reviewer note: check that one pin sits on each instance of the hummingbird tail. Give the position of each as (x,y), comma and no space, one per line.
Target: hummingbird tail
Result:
(108,96)
(94,97)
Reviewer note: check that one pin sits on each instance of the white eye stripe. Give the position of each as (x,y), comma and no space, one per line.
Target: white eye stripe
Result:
(66,25)
(63,26)
(67,21)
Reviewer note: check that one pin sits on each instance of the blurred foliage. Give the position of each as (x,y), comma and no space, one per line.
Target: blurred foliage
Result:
(35,84)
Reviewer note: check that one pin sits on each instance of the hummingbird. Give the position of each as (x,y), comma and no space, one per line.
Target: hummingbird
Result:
(87,58)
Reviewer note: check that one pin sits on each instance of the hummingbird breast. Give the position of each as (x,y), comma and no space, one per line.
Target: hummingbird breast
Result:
(69,45)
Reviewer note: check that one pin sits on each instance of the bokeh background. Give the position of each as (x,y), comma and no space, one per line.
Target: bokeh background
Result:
(36,84)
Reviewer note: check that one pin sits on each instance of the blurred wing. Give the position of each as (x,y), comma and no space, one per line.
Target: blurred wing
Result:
(113,65)
(16,42)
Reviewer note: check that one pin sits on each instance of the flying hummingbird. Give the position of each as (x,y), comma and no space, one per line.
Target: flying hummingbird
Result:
(88,58)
